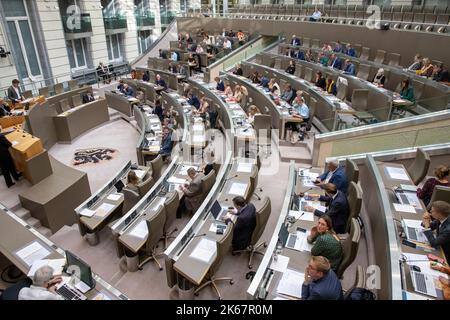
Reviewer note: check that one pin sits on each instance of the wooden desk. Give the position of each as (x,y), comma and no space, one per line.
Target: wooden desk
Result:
(7,122)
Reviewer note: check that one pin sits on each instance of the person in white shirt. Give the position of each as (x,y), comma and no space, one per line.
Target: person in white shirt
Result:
(316,15)
(227,44)
(43,287)
(174,56)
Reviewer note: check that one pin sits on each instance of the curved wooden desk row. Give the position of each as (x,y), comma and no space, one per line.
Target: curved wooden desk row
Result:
(170,78)
(434,96)
(148,88)
(122,103)
(149,125)
(16,234)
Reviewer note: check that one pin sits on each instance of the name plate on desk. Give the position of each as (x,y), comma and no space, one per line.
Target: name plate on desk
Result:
(397,173)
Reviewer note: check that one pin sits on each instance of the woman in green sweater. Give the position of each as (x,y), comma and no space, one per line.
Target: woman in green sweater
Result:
(407,91)
(326,243)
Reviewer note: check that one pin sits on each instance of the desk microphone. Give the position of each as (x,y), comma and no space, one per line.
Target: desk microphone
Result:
(199,235)
(236,175)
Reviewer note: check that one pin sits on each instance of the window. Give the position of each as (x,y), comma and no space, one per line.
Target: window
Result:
(113,45)
(22,40)
(145,39)
(77,54)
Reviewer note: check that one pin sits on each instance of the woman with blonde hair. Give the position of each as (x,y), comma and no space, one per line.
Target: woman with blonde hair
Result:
(427,68)
(228,91)
(237,93)
(252,111)
(132,181)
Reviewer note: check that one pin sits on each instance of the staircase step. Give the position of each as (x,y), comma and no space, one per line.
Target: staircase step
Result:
(23,213)
(35,223)
(44,231)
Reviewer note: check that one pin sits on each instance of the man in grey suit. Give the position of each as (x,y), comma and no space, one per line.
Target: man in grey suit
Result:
(193,191)
(440,212)
(14,93)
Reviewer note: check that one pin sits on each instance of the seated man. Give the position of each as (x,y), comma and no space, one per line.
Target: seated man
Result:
(127,90)
(88,97)
(4,109)
(349,68)
(174,56)
(291,67)
(120,85)
(299,54)
(321,283)
(288,94)
(337,207)
(440,211)
(338,48)
(43,287)
(245,223)
(193,190)
(220,85)
(350,51)
(146,76)
(193,100)
(295,41)
(335,175)
(160,82)
(167,143)
(335,62)
(315,16)
(173,68)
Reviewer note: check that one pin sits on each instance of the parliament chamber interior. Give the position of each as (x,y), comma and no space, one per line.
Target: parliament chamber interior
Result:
(235,150)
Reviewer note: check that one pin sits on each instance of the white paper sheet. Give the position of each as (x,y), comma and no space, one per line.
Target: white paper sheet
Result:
(32,253)
(302,215)
(397,173)
(244,167)
(140,230)
(140,173)
(408,187)
(198,127)
(87,213)
(80,285)
(413,223)
(404,208)
(205,250)
(158,203)
(176,180)
(305,245)
(101,296)
(104,209)
(114,197)
(422,262)
(56,264)
(280,264)
(291,283)
(238,189)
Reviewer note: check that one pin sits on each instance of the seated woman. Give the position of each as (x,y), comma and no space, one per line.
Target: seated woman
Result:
(326,47)
(254,77)
(310,56)
(252,111)
(237,93)
(427,68)
(288,93)
(158,110)
(291,67)
(241,37)
(326,243)
(331,86)
(192,62)
(228,91)
(441,179)
(297,99)
(274,88)
(320,81)
(379,78)
(323,59)
(242,93)
(407,91)
(132,181)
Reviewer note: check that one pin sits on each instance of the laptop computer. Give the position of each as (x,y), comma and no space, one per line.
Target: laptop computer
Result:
(414,231)
(409,198)
(423,283)
(218,211)
(119,185)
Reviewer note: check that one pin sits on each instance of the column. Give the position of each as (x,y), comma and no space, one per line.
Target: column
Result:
(130,42)
(8,71)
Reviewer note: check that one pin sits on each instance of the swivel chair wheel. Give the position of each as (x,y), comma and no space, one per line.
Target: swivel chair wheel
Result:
(265,245)
(220,298)
(176,229)
(250,266)
(196,294)
(140,268)
(231,282)
(160,269)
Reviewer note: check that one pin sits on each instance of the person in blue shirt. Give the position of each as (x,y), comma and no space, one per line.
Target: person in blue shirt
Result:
(321,283)
(338,48)
(335,62)
(349,68)
(301,110)
(264,82)
(299,54)
(127,90)
(120,85)
(166,144)
(193,100)
(350,51)
(288,94)
(174,56)
(335,175)
(220,85)
(160,82)
(158,110)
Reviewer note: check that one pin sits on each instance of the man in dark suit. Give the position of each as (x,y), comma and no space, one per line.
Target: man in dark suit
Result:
(245,223)
(295,41)
(167,143)
(335,175)
(127,90)
(440,211)
(349,68)
(335,62)
(193,100)
(6,161)
(160,82)
(220,85)
(88,97)
(14,92)
(321,283)
(299,54)
(337,204)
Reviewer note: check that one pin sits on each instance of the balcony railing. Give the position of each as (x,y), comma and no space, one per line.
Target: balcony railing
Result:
(72,25)
(167,17)
(145,20)
(117,22)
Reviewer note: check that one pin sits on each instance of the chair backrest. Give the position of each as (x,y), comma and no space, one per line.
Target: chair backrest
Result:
(262,121)
(44,92)
(418,89)
(354,198)
(262,216)
(130,198)
(349,248)
(419,168)
(64,105)
(365,53)
(73,84)
(341,91)
(351,170)
(59,88)
(171,204)
(363,71)
(157,165)
(253,184)
(379,58)
(76,100)
(359,99)
(146,184)
(312,111)
(394,59)
(155,226)
(27,94)
(308,74)
(223,246)
(298,70)
(207,183)
(440,193)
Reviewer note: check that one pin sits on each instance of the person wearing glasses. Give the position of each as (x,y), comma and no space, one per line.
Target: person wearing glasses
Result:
(321,283)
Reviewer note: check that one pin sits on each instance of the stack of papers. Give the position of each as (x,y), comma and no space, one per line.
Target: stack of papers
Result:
(87,213)
(176,180)
(205,250)
(140,230)
(104,209)
(56,264)
(114,197)
(238,189)
(244,167)
(422,262)
(291,283)
(140,173)
(280,264)
(33,252)
(302,215)
(404,208)
(397,173)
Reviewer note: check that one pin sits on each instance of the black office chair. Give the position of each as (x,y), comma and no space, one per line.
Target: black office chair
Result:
(12,293)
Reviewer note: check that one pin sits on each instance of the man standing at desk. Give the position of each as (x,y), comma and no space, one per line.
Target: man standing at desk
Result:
(321,283)
(14,93)
(6,161)
(193,191)
(335,175)
(440,211)
(245,223)
(43,287)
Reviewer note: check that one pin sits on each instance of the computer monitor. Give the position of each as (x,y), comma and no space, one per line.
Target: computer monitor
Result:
(216,209)
(73,262)
(284,234)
